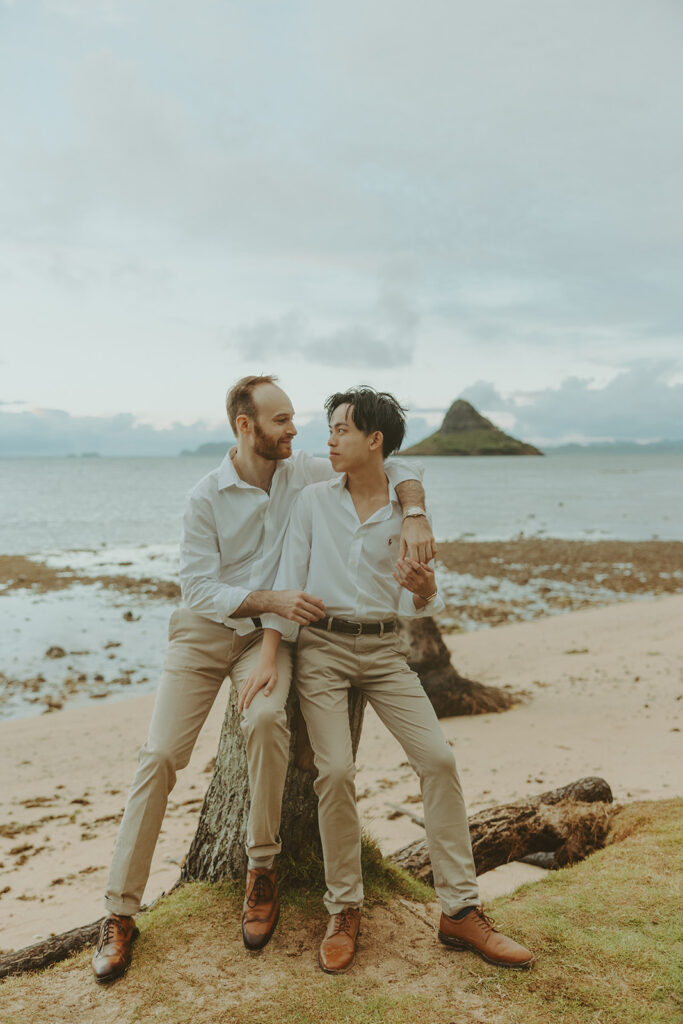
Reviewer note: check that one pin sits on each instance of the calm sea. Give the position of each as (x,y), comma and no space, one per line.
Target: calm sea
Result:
(51,505)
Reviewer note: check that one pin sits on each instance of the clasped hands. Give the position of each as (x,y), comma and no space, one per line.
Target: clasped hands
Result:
(298,606)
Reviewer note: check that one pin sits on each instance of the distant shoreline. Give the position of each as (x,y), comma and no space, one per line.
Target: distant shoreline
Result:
(218,450)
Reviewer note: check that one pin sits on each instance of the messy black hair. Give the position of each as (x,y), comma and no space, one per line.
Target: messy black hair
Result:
(373,410)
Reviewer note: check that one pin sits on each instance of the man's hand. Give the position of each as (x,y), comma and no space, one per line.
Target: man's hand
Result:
(417,539)
(417,578)
(297,606)
(264,677)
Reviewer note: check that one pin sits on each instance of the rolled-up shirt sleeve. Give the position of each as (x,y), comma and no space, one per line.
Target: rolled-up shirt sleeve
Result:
(200,562)
(292,572)
(400,469)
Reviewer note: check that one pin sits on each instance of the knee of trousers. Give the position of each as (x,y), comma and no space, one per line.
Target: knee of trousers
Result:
(438,762)
(263,720)
(335,779)
(161,763)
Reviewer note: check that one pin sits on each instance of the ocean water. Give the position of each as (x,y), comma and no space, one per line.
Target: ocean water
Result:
(122,516)
(53,505)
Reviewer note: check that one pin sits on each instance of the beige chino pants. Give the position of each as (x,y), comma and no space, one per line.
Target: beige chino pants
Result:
(327,665)
(200,654)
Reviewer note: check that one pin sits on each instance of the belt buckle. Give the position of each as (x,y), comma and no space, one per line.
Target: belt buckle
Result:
(357,628)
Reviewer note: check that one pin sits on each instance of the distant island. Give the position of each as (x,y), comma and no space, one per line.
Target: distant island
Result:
(210,448)
(465,431)
(618,448)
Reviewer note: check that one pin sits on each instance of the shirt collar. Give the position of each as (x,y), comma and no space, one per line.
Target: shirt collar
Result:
(227,474)
(340,483)
(229,477)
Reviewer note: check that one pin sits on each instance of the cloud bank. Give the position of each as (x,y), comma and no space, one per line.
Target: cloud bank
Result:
(642,403)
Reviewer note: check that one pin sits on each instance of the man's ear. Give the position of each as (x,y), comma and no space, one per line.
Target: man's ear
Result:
(376,440)
(243,423)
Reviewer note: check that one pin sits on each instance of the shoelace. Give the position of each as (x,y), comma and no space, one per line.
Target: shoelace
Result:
(109,926)
(262,891)
(343,922)
(485,921)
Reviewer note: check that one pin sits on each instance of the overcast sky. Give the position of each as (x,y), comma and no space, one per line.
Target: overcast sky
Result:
(440,199)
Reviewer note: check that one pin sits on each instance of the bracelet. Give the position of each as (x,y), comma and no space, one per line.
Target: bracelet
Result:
(430,598)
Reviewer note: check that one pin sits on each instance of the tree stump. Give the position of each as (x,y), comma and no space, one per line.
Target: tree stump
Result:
(449,692)
(218,848)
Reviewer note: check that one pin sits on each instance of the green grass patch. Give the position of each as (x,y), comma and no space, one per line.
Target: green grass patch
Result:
(607,933)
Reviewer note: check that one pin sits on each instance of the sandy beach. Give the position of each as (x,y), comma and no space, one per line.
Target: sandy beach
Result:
(601,693)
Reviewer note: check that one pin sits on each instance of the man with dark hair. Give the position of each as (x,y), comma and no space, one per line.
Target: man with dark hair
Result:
(233,528)
(339,546)
(373,411)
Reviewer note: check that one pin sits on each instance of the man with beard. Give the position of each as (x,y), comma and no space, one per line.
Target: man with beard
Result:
(233,529)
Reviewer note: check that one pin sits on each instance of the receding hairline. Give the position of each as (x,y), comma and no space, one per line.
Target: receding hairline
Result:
(259,389)
(239,400)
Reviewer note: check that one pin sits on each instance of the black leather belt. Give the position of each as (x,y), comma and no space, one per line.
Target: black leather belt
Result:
(257,622)
(355,628)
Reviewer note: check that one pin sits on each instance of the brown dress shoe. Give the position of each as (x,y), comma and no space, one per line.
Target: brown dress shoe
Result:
(475,931)
(338,948)
(261,907)
(114,947)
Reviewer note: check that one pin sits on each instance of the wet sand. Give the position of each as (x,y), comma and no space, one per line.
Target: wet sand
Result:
(91,625)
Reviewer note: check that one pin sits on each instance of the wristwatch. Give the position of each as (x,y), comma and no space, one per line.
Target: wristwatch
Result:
(413,510)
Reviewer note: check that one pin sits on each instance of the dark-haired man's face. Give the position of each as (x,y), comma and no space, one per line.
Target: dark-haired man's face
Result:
(350,448)
(273,428)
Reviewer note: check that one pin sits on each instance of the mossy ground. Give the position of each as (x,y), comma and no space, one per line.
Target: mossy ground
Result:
(607,932)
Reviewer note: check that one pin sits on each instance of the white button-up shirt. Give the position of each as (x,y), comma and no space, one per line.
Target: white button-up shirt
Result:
(233,532)
(329,553)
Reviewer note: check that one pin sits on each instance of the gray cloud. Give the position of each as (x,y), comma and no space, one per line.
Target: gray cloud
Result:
(387,340)
(56,432)
(227,164)
(519,148)
(640,403)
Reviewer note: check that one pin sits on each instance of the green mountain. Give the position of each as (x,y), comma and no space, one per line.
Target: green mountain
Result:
(464,431)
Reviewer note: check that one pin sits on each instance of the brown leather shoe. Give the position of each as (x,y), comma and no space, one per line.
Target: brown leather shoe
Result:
(476,931)
(338,948)
(261,907)
(114,947)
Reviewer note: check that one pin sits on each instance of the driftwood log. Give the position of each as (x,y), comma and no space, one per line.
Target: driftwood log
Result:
(571,822)
(50,951)
(449,692)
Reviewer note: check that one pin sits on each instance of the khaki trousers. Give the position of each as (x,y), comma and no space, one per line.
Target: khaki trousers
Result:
(200,654)
(327,665)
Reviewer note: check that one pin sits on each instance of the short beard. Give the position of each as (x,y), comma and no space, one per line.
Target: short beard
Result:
(264,446)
